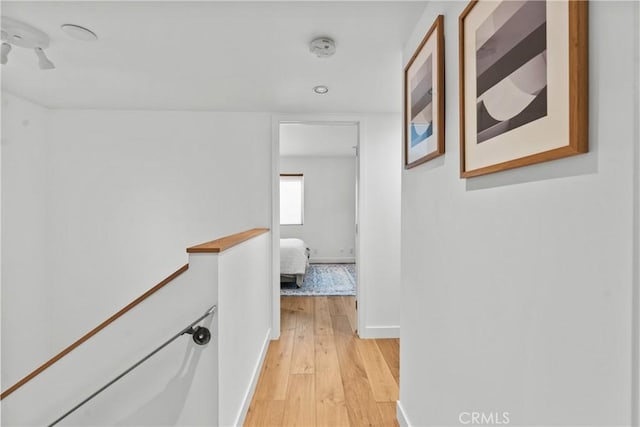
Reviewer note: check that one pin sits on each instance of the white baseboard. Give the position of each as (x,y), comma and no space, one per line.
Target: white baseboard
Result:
(329,260)
(401,416)
(379,332)
(246,401)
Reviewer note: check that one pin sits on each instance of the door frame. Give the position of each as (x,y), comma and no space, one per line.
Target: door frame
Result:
(317,119)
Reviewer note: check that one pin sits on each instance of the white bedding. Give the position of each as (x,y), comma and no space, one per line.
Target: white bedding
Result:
(293,256)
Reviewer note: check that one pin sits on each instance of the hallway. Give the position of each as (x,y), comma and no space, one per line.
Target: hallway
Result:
(319,373)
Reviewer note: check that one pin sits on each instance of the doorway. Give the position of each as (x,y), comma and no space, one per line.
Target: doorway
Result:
(315,207)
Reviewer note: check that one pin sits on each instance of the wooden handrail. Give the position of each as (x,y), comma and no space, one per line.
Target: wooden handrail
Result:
(214,246)
(92,332)
(219,245)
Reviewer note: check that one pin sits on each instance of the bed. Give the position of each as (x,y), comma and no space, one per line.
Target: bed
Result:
(294,259)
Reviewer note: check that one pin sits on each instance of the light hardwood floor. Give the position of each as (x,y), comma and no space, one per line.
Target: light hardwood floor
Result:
(319,373)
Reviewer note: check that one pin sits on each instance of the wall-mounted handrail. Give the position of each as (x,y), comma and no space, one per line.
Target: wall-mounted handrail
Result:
(214,246)
(92,332)
(200,336)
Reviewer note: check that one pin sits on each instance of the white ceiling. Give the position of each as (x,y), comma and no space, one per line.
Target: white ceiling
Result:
(317,140)
(211,55)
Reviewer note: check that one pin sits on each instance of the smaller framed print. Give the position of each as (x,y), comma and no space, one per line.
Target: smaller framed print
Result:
(523,83)
(424,99)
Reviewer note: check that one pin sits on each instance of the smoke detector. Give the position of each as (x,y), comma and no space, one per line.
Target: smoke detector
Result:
(322,47)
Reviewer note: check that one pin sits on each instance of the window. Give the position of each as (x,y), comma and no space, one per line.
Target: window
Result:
(291,199)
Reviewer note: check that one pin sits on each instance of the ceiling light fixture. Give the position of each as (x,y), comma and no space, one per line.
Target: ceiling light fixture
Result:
(4,54)
(43,61)
(79,33)
(322,47)
(321,89)
(17,33)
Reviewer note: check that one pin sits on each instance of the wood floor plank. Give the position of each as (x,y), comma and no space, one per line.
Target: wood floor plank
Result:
(343,379)
(287,319)
(328,378)
(303,358)
(301,304)
(349,307)
(272,384)
(303,361)
(331,414)
(300,405)
(390,349)
(287,314)
(265,413)
(361,405)
(389,413)
(383,385)
(337,307)
(287,302)
(341,325)
(322,320)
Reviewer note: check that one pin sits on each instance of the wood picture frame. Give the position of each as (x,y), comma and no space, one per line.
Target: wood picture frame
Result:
(510,54)
(423,121)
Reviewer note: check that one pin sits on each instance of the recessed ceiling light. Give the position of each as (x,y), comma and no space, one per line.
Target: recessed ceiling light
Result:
(79,33)
(321,90)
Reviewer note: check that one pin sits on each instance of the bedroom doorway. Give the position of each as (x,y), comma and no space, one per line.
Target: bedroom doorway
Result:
(317,212)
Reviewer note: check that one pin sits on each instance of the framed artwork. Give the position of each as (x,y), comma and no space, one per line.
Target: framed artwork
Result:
(424,99)
(523,83)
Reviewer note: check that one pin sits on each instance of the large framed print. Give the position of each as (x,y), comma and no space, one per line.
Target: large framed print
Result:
(424,99)
(523,83)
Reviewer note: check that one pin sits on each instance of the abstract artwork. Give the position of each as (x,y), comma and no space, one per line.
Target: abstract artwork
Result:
(511,67)
(421,120)
(424,99)
(519,102)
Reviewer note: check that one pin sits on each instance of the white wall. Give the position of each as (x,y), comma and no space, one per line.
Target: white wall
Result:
(132,190)
(25,312)
(329,206)
(517,286)
(125,193)
(379,270)
(244,328)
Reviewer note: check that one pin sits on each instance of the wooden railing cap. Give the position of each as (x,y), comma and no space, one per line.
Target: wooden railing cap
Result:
(220,245)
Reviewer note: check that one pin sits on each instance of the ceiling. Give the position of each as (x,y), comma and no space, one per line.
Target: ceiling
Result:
(211,55)
(318,140)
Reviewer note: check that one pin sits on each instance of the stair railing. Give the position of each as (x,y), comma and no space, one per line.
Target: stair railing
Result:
(200,334)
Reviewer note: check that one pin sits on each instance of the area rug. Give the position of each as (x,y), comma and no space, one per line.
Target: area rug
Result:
(324,279)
